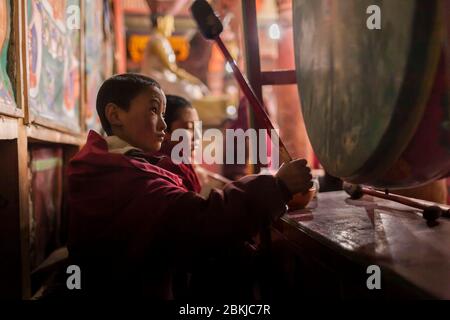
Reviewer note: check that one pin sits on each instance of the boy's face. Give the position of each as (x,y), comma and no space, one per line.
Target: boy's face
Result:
(143,125)
(185,120)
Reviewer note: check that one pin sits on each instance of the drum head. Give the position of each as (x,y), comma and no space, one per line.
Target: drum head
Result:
(364,91)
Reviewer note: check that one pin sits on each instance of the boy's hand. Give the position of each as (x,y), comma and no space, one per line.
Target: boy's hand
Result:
(296,175)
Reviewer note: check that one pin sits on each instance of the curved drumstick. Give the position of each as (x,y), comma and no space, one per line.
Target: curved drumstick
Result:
(431,212)
(211,28)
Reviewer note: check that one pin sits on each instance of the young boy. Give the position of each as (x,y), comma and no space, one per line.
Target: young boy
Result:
(131,220)
(180,114)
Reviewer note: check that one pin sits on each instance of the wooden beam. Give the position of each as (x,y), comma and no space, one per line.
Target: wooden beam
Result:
(279,77)
(8,128)
(23,57)
(43,134)
(136,11)
(119,31)
(252,57)
(14,226)
(51,124)
(20,37)
(24,210)
(252,61)
(11,111)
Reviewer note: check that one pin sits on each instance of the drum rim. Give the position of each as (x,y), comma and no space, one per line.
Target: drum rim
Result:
(432,55)
(387,152)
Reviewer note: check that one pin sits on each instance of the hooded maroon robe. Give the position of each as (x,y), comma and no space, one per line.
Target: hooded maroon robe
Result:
(184,170)
(130,220)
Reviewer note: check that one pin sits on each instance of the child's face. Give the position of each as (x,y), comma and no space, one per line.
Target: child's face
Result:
(186,119)
(143,124)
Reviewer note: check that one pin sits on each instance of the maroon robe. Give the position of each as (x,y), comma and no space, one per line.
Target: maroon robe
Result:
(130,219)
(184,170)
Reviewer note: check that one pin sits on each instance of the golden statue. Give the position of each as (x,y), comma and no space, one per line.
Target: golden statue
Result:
(160,64)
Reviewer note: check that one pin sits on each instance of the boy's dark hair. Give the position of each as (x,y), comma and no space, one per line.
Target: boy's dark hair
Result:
(120,89)
(173,106)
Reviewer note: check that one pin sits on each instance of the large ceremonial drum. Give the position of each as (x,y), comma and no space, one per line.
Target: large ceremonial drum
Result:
(375,101)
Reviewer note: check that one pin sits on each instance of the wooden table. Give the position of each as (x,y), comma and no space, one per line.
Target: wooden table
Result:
(335,239)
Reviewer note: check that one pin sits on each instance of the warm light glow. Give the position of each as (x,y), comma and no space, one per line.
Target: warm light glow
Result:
(228,68)
(231,90)
(274,32)
(231,110)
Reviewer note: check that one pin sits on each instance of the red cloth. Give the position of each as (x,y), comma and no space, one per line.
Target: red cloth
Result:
(130,219)
(184,170)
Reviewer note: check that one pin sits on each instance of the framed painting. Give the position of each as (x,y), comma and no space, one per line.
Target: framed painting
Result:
(7,100)
(99,55)
(54,63)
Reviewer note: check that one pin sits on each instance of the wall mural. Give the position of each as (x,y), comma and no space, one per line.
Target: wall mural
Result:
(99,51)
(45,174)
(54,62)
(6,92)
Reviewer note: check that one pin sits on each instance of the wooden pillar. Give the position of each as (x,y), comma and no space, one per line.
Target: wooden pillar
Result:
(290,119)
(252,62)
(14,233)
(119,31)
(14,185)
